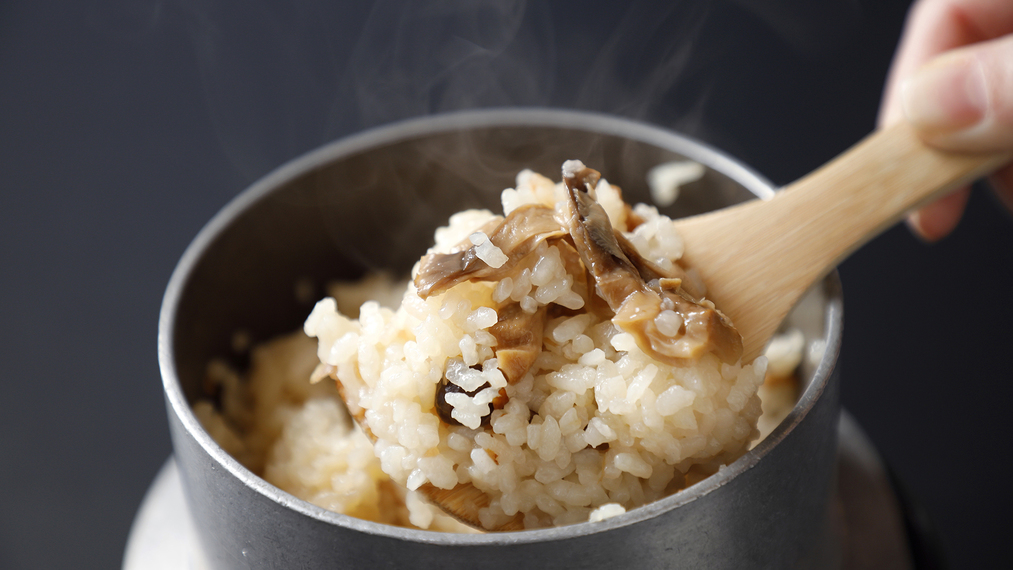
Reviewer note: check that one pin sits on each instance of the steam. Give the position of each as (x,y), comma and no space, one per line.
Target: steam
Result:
(268,72)
(127,20)
(281,79)
(421,58)
(651,49)
(810,28)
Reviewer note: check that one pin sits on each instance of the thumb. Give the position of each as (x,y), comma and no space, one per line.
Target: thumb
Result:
(963,99)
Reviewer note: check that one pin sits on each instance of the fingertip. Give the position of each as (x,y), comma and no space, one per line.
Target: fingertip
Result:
(937,220)
(946,95)
(961,99)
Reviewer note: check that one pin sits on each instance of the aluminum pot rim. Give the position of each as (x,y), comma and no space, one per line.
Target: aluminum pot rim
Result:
(462,120)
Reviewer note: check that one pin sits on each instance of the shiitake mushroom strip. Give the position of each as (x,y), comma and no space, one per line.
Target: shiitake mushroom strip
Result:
(637,302)
(517,236)
(518,340)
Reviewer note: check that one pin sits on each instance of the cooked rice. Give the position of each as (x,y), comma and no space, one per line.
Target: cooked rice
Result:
(299,437)
(594,421)
(543,454)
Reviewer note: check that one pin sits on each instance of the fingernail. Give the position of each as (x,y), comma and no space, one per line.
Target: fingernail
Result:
(946,95)
(914,225)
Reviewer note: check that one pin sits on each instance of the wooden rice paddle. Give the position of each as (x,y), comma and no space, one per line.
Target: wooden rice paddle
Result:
(463,503)
(759,257)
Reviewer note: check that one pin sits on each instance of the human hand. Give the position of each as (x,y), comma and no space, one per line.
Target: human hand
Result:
(952,78)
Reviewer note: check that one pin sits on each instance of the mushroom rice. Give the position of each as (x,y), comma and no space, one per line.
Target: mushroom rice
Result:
(554,362)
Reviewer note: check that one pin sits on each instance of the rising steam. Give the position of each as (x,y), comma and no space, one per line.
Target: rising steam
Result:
(281,79)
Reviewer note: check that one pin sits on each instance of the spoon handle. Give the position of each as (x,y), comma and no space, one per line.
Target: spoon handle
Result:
(759,257)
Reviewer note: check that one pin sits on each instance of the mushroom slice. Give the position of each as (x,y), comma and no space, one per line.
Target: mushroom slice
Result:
(666,321)
(518,343)
(517,236)
(518,339)
(615,276)
(673,327)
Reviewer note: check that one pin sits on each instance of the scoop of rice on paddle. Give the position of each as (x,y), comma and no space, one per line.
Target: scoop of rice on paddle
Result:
(546,363)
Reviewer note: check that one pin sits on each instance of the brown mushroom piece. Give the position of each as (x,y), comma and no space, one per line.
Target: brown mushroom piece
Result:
(518,340)
(518,333)
(517,236)
(446,411)
(666,321)
(518,343)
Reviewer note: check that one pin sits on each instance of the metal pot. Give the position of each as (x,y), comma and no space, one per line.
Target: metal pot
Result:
(373,200)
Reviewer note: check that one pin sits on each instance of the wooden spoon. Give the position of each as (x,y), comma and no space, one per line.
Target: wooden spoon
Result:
(759,257)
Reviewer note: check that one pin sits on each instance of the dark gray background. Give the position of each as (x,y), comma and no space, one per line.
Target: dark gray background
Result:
(125,125)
